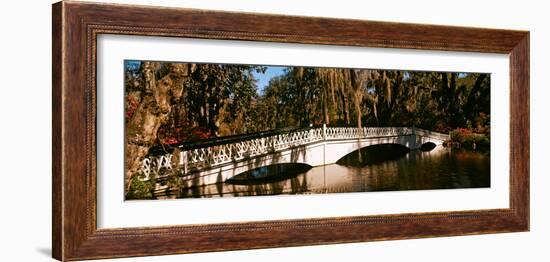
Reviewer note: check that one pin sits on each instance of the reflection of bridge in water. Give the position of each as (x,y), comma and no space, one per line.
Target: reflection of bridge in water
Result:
(220,159)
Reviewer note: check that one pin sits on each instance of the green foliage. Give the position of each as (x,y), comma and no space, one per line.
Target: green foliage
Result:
(466,139)
(430,100)
(140,189)
(223,99)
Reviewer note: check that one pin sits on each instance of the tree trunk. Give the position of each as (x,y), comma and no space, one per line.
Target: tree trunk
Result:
(325,107)
(472,96)
(358,111)
(152,112)
(346,109)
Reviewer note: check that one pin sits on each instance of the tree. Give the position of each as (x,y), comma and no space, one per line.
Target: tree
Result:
(161,86)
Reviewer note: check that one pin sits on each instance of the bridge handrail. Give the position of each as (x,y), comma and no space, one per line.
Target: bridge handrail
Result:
(219,154)
(433,134)
(157,150)
(365,132)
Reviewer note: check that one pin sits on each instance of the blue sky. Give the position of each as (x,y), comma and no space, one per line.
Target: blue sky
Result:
(263,79)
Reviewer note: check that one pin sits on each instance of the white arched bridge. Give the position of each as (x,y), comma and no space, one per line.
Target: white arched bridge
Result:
(221,159)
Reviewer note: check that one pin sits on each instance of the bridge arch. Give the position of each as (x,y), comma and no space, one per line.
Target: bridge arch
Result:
(375,153)
(428,146)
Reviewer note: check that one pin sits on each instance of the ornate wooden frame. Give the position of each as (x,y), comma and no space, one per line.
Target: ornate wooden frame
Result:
(75,28)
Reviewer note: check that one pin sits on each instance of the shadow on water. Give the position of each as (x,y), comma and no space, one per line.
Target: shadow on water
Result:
(373,155)
(269,174)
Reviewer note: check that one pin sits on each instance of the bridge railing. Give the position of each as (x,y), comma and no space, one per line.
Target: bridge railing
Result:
(222,154)
(431,134)
(209,156)
(197,158)
(365,132)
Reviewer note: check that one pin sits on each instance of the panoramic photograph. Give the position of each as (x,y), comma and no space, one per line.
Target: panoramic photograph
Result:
(206,130)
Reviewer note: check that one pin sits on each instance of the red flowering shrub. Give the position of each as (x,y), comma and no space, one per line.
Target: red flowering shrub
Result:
(199,133)
(131,106)
(169,141)
(171,136)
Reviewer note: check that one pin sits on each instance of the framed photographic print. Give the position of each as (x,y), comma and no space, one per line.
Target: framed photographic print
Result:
(193,131)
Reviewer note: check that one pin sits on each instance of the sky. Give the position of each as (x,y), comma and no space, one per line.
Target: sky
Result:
(270,72)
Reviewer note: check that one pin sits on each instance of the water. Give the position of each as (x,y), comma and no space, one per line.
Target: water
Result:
(376,169)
